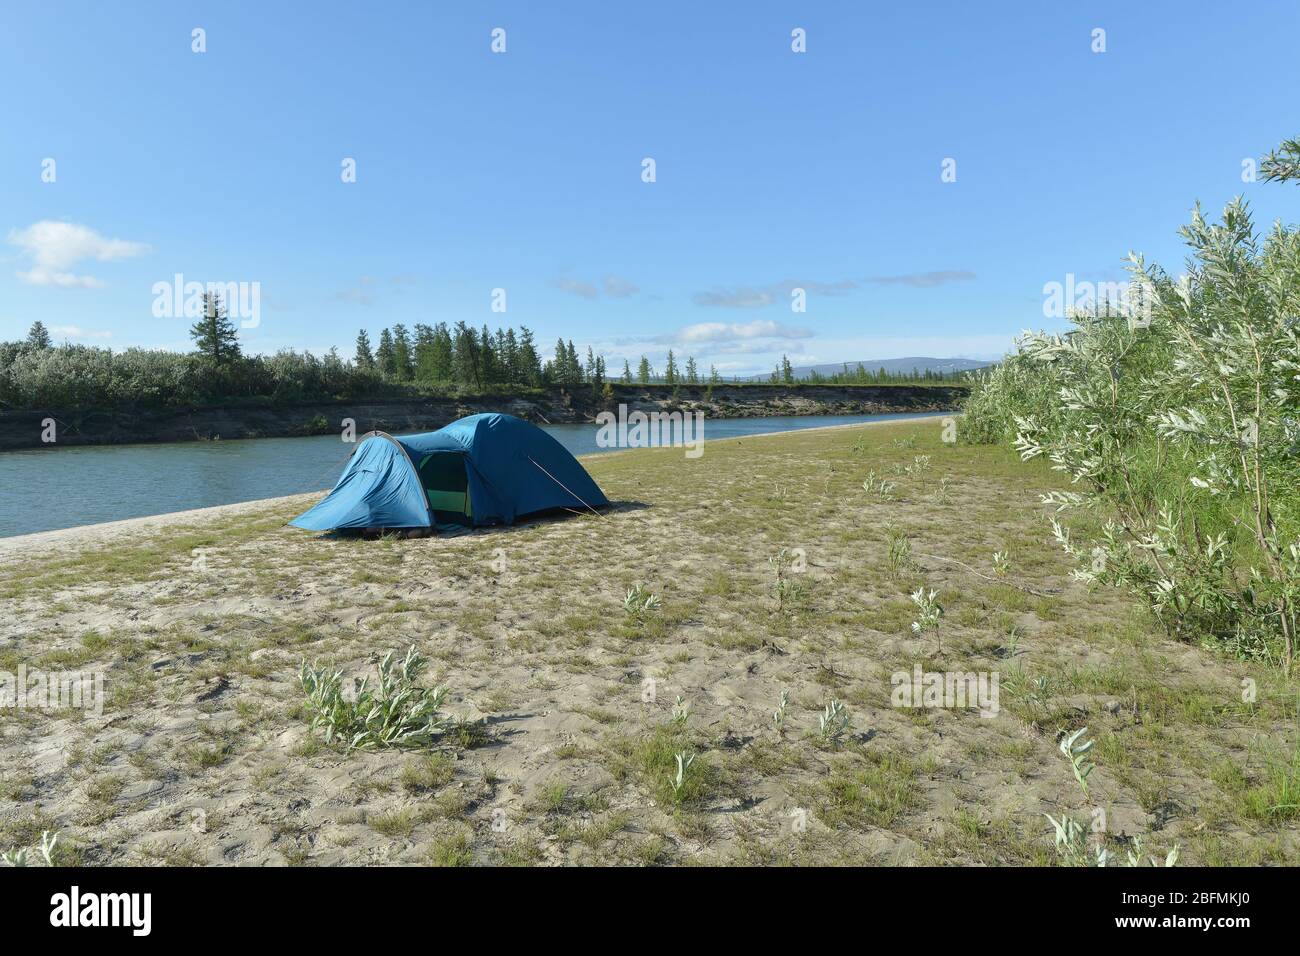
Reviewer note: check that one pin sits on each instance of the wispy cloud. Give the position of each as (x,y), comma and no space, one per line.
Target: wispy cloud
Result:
(360,294)
(756,297)
(925,280)
(584,290)
(734,331)
(813,287)
(735,298)
(54,248)
(619,288)
(77,332)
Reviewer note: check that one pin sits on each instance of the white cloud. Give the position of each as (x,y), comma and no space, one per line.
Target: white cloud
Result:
(731,331)
(618,287)
(925,280)
(757,298)
(360,294)
(55,247)
(67,280)
(584,290)
(77,332)
(615,287)
(735,298)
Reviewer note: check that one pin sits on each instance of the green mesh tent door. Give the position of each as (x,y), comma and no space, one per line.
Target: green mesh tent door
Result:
(447,485)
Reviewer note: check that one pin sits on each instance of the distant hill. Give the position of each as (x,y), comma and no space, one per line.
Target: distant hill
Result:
(897,366)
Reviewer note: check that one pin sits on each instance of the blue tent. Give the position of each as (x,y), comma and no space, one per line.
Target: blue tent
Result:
(483,469)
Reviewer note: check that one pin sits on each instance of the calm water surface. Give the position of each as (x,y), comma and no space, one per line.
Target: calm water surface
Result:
(46,488)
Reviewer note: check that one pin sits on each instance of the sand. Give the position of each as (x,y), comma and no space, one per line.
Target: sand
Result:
(572,710)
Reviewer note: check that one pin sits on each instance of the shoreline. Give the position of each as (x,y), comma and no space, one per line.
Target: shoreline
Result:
(129,424)
(79,537)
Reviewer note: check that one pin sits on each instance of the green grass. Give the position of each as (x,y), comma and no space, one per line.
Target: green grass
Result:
(394,823)
(454,850)
(872,791)
(428,773)
(580,764)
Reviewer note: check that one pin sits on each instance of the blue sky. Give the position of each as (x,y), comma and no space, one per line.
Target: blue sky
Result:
(523,170)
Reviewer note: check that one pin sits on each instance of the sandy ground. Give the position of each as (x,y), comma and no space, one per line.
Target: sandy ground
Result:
(777,573)
(23,547)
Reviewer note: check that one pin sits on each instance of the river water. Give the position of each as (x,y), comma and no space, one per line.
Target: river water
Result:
(42,489)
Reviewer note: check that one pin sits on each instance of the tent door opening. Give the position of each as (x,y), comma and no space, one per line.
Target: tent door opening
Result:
(447,486)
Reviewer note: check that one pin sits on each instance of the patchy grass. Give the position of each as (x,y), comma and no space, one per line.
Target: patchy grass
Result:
(564,741)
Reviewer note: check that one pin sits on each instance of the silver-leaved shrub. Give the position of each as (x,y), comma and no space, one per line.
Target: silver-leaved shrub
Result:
(1177,419)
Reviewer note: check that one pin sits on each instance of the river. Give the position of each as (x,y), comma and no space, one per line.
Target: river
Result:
(42,489)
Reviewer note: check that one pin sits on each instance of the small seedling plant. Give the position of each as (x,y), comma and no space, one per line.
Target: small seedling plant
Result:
(899,555)
(929,611)
(1077,754)
(919,465)
(684,761)
(878,487)
(778,715)
(788,593)
(833,721)
(1071,836)
(640,603)
(49,851)
(395,712)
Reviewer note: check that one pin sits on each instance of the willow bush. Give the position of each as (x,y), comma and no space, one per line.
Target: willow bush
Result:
(1177,420)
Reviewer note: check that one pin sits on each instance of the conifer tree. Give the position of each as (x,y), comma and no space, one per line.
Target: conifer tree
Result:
(214,334)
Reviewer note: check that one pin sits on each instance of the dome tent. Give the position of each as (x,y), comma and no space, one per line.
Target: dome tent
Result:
(479,470)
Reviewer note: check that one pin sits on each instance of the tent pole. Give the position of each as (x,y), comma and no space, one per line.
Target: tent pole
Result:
(561,484)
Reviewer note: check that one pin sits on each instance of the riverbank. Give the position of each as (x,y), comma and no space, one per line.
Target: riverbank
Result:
(556,405)
(566,748)
(101,533)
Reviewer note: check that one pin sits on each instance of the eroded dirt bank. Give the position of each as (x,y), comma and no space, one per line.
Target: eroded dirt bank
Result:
(24,429)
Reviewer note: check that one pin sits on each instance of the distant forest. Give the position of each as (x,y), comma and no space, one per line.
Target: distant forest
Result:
(441,358)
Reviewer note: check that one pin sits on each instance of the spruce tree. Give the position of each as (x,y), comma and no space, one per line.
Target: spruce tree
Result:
(441,360)
(487,358)
(530,363)
(384,355)
(560,364)
(38,337)
(574,365)
(403,360)
(423,354)
(214,334)
(364,359)
(465,358)
(510,357)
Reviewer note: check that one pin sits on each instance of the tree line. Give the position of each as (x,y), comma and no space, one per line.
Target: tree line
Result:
(36,373)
